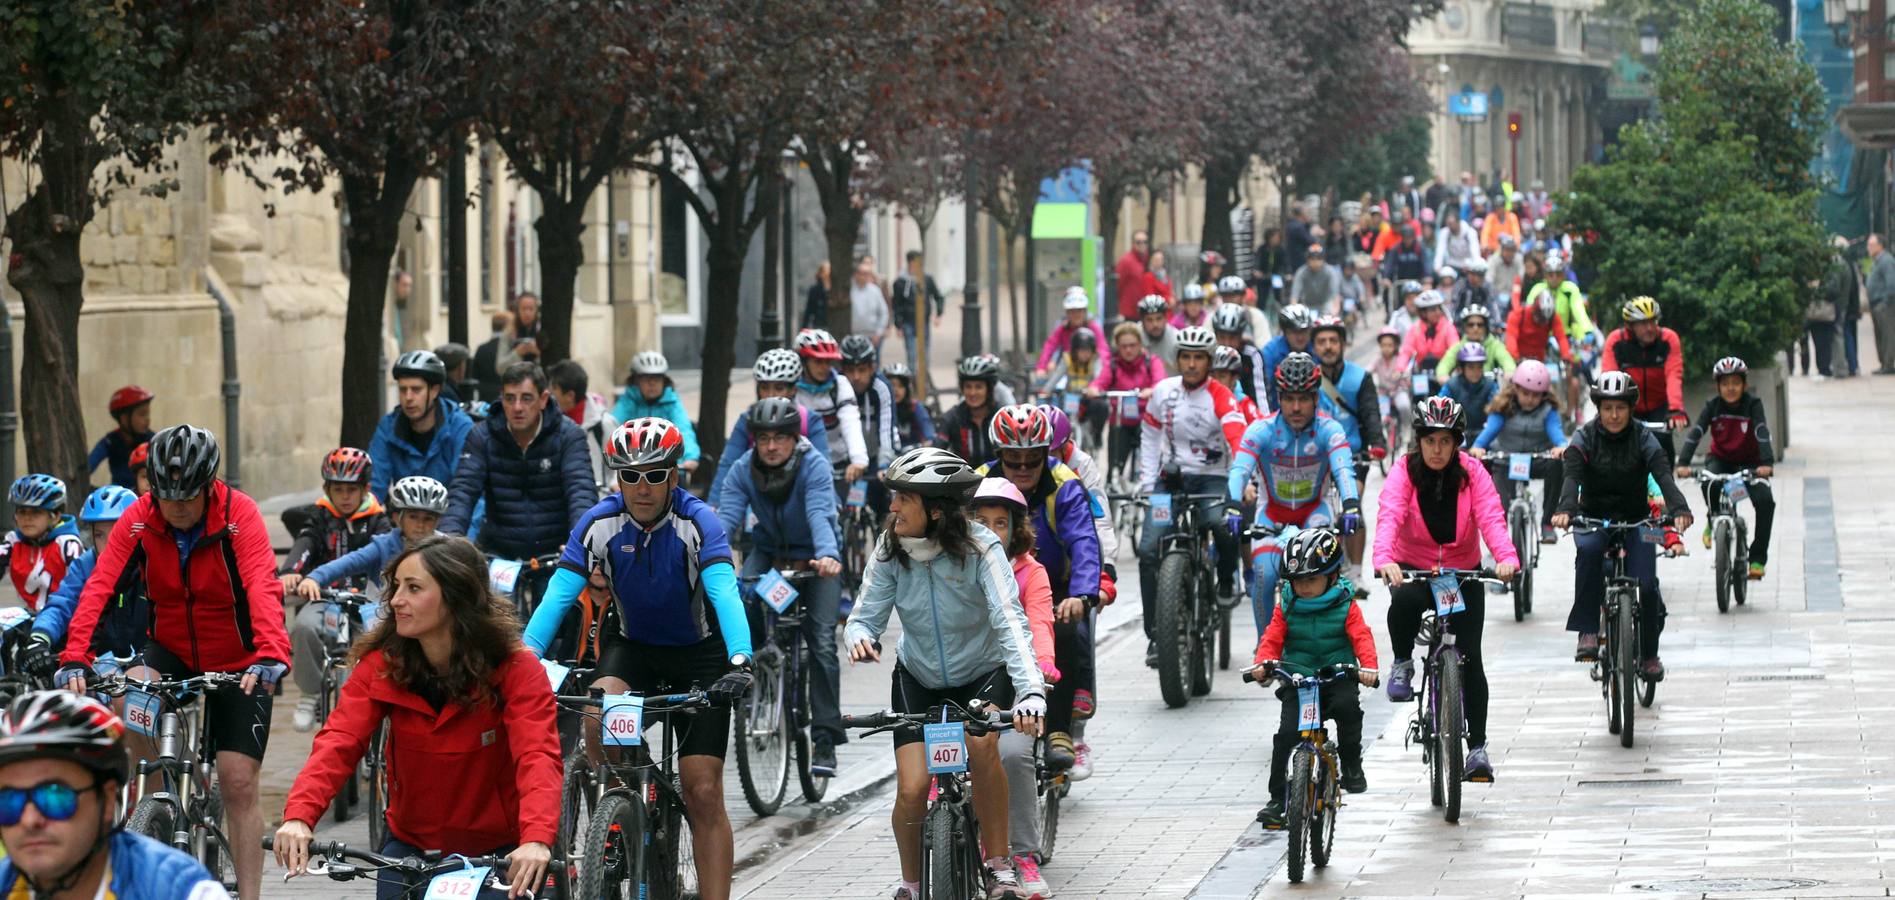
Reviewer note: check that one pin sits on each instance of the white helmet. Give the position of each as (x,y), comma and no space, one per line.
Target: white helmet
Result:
(650,362)
(1196,338)
(1428,300)
(930,472)
(778,365)
(1230,284)
(420,493)
(1075,298)
(1475,266)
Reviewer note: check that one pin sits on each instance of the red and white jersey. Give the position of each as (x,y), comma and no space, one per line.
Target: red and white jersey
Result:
(1196,428)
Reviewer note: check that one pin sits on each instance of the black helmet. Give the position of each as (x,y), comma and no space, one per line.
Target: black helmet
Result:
(1298,374)
(1440,414)
(452,355)
(1295,317)
(422,364)
(68,726)
(1312,551)
(1615,386)
(930,472)
(183,460)
(857,349)
(1083,338)
(777,415)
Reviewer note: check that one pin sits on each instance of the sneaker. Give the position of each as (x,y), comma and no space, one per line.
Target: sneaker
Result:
(1059,750)
(822,757)
(1031,881)
(1354,780)
(902,892)
(1002,882)
(1756,571)
(1653,670)
(1151,654)
(1082,704)
(1401,681)
(1082,762)
(1548,535)
(1707,535)
(1478,768)
(1588,648)
(305,717)
(1271,816)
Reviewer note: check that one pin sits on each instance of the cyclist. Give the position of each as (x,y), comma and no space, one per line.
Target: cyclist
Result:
(131,409)
(873,394)
(1652,355)
(1066,543)
(1086,467)
(832,397)
(1605,468)
(1231,323)
(913,426)
(1191,310)
(1232,290)
(44,540)
(1292,451)
(1436,509)
(1476,328)
(344,520)
(1319,624)
(1534,330)
(216,606)
(964,639)
(140,477)
(1404,316)
(1390,369)
(681,623)
(1407,260)
(417,504)
(1471,387)
(1570,307)
(1073,372)
(1504,270)
(1227,365)
(460,388)
(649,393)
(64,756)
(786,482)
(1077,306)
(1524,418)
(1432,338)
(472,754)
(1293,336)
(1348,395)
(1740,439)
(1315,284)
(963,429)
(1473,291)
(1191,426)
(1155,328)
(775,371)
(529,465)
(122,627)
(1133,368)
(569,394)
(424,435)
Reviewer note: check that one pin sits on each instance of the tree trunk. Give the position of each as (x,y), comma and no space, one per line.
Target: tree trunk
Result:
(832,170)
(1015,310)
(51,280)
(725,271)
(1111,199)
(375,210)
(1220,184)
(561,254)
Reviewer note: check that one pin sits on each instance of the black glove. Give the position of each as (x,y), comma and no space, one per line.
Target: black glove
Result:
(731,687)
(37,657)
(68,672)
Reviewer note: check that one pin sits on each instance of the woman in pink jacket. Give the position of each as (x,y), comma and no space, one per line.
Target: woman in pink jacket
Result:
(1076,305)
(1130,368)
(1432,336)
(1436,508)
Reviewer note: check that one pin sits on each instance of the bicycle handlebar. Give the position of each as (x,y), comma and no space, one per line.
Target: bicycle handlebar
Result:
(1324,675)
(982,723)
(1486,575)
(117,685)
(1587,524)
(694,699)
(1746,475)
(324,857)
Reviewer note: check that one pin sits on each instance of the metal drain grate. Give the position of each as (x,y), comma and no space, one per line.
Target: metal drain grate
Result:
(1866,620)
(1634,783)
(1779,677)
(1726,885)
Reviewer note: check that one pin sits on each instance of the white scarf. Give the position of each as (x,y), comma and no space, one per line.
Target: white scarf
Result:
(920,549)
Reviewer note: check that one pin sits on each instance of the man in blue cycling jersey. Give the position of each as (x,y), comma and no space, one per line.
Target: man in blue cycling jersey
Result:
(678,622)
(1293,450)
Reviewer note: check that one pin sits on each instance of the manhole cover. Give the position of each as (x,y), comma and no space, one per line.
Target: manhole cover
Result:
(1634,783)
(1785,677)
(1726,885)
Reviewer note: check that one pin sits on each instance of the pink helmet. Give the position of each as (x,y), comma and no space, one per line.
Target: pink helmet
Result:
(1532,375)
(999,490)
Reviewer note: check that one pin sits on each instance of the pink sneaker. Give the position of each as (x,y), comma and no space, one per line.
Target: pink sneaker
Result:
(1082,762)
(1031,881)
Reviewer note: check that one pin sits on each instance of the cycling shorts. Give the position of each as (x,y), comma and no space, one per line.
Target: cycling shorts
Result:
(665,669)
(994,689)
(238,722)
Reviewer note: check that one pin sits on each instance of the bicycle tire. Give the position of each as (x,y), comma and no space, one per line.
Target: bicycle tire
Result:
(155,818)
(1740,563)
(1204,634)
(941,874)
(1049,817)
(575,788)
(1520,537)
(1625,662)
(1297,812)
(1449,733)
(1171,628)
(814,786)
(1322,833)
(378,787)
(1721,540)
(1426,721)
(1223,639)
(671,870)
(763,724)
(612,852)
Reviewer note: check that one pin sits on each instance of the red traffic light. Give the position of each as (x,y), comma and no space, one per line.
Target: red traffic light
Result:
(1513,124)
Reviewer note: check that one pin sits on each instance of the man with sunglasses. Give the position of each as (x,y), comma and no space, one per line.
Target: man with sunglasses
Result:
(62,760)
(677,622)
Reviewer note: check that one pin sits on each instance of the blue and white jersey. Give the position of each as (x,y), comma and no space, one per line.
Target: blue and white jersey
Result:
(657,574)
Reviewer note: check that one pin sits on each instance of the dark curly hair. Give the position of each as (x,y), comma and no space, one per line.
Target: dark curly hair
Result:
(483,626)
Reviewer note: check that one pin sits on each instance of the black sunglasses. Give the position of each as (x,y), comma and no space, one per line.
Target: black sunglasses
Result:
(648,476)
(1023,464)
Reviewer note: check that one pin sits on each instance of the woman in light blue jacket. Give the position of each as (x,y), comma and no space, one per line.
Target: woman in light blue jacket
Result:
(964,639)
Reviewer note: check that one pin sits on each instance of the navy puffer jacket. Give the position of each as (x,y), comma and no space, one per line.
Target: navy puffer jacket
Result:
(533,498)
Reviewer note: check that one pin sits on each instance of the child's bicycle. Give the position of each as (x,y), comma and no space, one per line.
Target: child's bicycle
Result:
(1730,534)
(1315,794)
(1523,522)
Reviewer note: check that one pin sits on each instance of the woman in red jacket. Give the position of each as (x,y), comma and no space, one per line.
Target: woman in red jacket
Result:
(472,754)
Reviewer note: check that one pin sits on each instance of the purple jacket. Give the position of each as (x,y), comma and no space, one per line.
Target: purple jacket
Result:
(1069,546)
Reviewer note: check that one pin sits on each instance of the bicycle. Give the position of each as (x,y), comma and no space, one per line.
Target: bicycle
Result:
(772,720)
(1440,721)
(1730,534)
(1523,523)
(1121,482)
(353,608)
(1620,658)
(508,577)
(951,859)
(1315,794)
(1185,613)
(1052,786)
(633,834)
(858,533)
(187,809)
(458,876)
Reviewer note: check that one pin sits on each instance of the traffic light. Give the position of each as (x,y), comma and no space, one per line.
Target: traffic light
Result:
(1513,126)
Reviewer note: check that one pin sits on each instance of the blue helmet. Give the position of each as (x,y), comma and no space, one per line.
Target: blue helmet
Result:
(38,492)
(107,504)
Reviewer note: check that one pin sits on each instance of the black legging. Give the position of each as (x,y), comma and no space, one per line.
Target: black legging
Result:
(1341,702)
(1124,446)
(1072,642)
(1405,606)
(1762,502)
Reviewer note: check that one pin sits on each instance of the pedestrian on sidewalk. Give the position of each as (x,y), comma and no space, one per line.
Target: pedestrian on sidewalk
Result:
(816,303)
(1130,272)
(1820,318)
(915,282)
(1848,316)
(1882,303)
(868,306)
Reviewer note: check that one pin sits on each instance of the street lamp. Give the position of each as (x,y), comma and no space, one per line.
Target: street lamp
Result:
(1844,19)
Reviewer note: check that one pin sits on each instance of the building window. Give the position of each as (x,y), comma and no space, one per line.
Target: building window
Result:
(1888,65)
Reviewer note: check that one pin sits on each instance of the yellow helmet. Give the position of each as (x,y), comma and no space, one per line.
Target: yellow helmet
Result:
(1639,309)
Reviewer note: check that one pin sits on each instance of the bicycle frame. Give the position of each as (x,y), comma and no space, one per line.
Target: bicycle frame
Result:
(184,762)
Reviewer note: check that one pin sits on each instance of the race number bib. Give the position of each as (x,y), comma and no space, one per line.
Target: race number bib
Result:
(462,885)
(1276,282)
(946,744)
(555,673)
(1295,484)
(858,493)
(1420,385)
(1309,706)
(776,591)
(1735,489)
(1161,509)
(504,575)
(142,710)
(1070,402)
(1652,534)
(1520,466)
(13,615)
(623,724)
(1447,594)
(1128,407)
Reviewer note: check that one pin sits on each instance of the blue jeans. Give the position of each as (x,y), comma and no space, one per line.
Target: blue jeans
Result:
(908,340)
(1265,554)
(1150,540)
(1641,562)
(390,885)
(820,600)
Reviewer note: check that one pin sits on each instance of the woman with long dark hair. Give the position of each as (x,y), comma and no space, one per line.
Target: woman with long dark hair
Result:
(472,756)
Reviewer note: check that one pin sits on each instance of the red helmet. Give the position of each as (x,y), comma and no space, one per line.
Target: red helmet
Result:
(1022,426)
(815,343)
(129,397)
(650,441)
(346,465)
(141,455)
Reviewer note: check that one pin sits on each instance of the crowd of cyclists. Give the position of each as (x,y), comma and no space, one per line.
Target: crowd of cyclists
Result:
(995,540)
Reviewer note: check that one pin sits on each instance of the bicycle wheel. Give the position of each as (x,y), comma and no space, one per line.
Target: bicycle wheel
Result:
(1204,634)
(1297,811)
(763,729)
(156,818)
(1721,539)
(1171,628)
(1322,831)
(1450,733)
(1223,639)
(941,874)
(1740,560)
(1049,817)
(814,786)
(1625,664)
(1518,530)
(209,845)
(671,870)
(611,854)
(575,789)
(377,762)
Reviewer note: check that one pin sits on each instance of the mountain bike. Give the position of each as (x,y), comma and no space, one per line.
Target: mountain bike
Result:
(1730,534)
(432,872)
(772,719)
(1185,614)
(1440,721)
(1620,657)
(349,613)
(187,810)
(951,859)
(1121,482)
(1315,796)
(1523,522)
(858,533)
